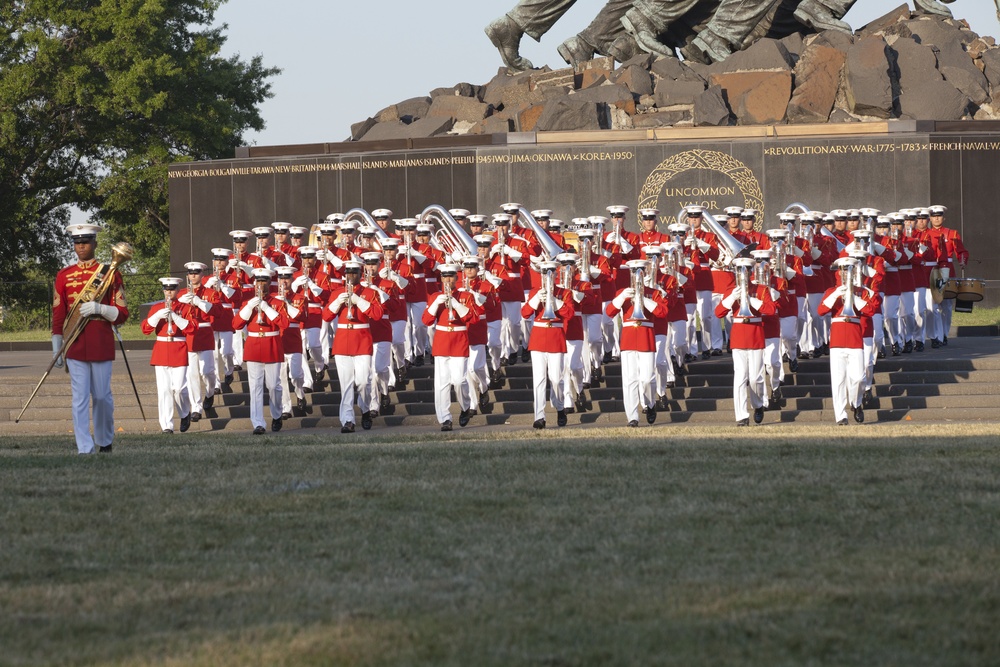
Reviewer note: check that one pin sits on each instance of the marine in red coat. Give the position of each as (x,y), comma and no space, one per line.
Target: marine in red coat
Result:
(170,358)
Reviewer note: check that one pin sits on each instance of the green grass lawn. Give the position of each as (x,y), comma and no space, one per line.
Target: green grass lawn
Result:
(815,545)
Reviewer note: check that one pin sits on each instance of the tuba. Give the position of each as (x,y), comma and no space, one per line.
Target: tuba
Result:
(731,248)
(550,247)
(743,284)
(639,296)
(367,219)
(585,244)
(449,235)
(847,278)
(549,286)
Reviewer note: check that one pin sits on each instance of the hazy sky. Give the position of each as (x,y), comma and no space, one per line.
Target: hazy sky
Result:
(343,61)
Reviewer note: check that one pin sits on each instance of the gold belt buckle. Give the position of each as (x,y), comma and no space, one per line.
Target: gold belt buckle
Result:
(260,334)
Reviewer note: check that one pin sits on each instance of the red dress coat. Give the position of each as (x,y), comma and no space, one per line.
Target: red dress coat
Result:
(263,343)
(97,341)
(451,337)
(170,348)
(224,306)
(849,332)
(549,335)
(291,335)
(354,334)
(314,302)
(748,333)
(637,335)
(201,338)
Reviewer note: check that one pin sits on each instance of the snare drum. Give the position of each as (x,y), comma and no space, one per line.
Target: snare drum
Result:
(971,289)
(950,289)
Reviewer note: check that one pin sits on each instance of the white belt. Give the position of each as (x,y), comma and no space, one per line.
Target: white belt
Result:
(203,325)
(892,268)
(633,323)
(418,275)
(171,339)
(431,280)
(746,320)
(227,306)
(906,267)
(262,334)
(791,292)
(449,328)
(849,320)
(385,317)
(549,325)
(351,325)
(293,325)
(513,274)
(246,286)
(315,306)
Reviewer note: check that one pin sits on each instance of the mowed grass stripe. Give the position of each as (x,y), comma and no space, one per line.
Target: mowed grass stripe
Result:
(813,545)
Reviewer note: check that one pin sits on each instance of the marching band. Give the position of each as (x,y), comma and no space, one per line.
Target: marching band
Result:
(369,302)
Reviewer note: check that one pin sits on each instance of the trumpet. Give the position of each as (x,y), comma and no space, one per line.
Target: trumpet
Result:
(218,279)
(259,293)
(168,304)
(743,285)
(448,302)
(349,285)
(639,297)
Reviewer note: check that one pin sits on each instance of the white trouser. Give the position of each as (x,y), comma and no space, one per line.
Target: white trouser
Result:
(201,366)
(748,378)
(291,369)
(415,339)
(638,378)
(812,328)
(327,330)
(890,311)
(593,349)
(238,346)
(677,341)
(353,371)
(877,323)
(526,324)
(944,311)
(223,356)
(610,329)
(171,390)
(547,366)
(664,369)
(868,356)
(312,355)
(788,341)
(91,381)
(725,324)
(260,375)
(479,380)
(510,328)
(692,335)
(923,313)
(772,363)
(572,372)
(711,327)
(381,370)
(450,372)
(847,374)
(493,346)
(907,319)
(398,357)
(801,317)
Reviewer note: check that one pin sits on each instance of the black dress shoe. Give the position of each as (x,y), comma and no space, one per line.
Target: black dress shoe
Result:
(237,367)
(598,376)
(185,423)
(859,414)
(908,347)
(446,426)
(301,404)
(842,422)
(743,422)
(661,403)
(286,415)
(825,349)
(895,349)
(581,402)
(503,361)
(276,424)
(168,431)
(935,343)
(716,352)
(793,365)
(366,420)
(384,403)
(195,416)
(919,346)
(512,359)
(758,415)
(104,449)
(347,428)
(539,423)
(484,401)
(633,424)
(881,353)
(561,418)
(525,356)
(207,403)
(585,385)
(944,341)
(607,358)
(260,430)
(688,358)
(615,358)
(706,354)
(651,415)
(463,417)
(866,398)
(307,390)
(419,361)
(229,379)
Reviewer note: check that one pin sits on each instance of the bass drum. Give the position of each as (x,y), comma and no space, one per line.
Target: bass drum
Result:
(950,289)
(572,240)
(971,289)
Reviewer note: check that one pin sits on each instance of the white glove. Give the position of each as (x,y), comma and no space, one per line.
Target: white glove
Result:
(271,313)
(247,311)
(181,322)
(211,282)
(833,296)
(535,300)
(690,241)
(731,299)
(201,304)
(807,270)
(625,246)
(702,245)
(253,302)
(439,300)
(338,303)
(337,262)
(383,272)
(154,318)
(362,303)
(789,273)
(594,272)
(921,248)
(460,308)
(798,251)
(513,254)
(233,264)
(611,238)
(186,297)
(577,296)
(756,304)
(57,343)
(479,298)
(816,252)
(292,311)
(299,282)
(88,309)
(878,248)
(649,304)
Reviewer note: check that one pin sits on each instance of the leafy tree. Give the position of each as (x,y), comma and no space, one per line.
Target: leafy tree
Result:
(97,98)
